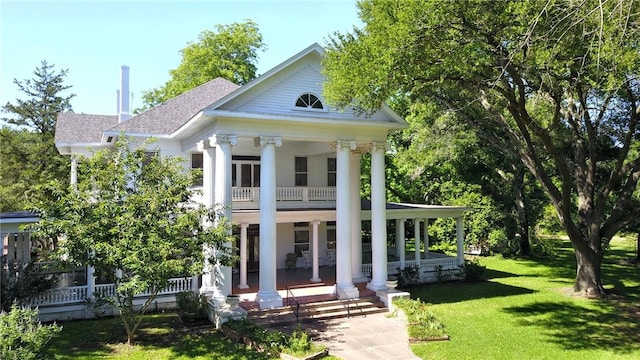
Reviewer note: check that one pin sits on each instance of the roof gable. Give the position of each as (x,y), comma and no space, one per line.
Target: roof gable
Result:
(276,92)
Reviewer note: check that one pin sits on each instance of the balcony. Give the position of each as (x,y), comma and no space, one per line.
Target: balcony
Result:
(246,198)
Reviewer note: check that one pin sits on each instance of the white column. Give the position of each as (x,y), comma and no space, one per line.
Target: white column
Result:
(378,218)
(74,170)
(401,246)
(416,231)
(222,197)
(316,269)
(399,232)
(91,282)
(426,236)
(243,256)
(208,169)
(268,296)
(344,281)
(356,220)
(460,240)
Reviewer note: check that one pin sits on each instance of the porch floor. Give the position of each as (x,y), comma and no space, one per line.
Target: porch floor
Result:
(304,290)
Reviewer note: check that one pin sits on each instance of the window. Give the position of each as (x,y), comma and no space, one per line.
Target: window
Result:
(301,237)
(309,101)
(331,172)
(301,171)
(196,166)
(331,234)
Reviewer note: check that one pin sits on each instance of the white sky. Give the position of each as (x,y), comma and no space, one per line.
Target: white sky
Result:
(92,39)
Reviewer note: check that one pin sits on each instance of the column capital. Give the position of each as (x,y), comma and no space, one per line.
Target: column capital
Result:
(379,146)
(261,141)
(315,222)
(203,145)
(344,144)
(220,139)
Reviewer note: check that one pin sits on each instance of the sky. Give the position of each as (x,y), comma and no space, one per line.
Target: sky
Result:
(92,39)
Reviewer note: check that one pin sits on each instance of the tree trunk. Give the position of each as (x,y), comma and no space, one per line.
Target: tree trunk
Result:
(638,248)
(589,271)
(521,210)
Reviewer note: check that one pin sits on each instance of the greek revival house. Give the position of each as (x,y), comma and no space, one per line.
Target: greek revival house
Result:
(287,167)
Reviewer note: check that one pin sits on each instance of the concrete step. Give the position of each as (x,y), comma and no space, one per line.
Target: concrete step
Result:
(323,310)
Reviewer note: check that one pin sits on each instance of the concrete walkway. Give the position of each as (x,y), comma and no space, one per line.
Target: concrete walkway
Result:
(375,336)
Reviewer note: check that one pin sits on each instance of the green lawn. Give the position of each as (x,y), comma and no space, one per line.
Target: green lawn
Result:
(526,311)
(161,337)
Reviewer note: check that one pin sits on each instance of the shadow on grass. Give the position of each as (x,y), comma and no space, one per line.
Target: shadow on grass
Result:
(459,291)
(106,337)
(609,327)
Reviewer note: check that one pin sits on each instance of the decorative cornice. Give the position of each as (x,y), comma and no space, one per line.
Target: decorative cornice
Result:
(220,139)
(266,140)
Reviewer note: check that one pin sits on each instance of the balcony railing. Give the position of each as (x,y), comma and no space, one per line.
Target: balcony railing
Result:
(286,194)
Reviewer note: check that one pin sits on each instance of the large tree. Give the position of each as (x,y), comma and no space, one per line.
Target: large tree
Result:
(130,215)
(230,52)
(554,83)
(28,155)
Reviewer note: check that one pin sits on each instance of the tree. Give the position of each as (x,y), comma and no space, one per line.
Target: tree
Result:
(554,83)
(231,52)
(130,215)
(40,111)
(28,154)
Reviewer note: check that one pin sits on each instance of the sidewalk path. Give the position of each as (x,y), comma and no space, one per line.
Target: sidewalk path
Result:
(375,336)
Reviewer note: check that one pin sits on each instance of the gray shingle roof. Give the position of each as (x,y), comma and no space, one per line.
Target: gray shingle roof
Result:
(169,116)
(82,128)
(162,119)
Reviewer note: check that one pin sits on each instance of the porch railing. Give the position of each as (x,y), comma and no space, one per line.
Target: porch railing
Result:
(76,294)
(447,262)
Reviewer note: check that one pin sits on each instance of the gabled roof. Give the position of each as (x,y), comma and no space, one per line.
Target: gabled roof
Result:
(170,115)
(74,128)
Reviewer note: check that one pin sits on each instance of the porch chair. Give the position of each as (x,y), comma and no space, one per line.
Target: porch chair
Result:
(291,260)
(306,258)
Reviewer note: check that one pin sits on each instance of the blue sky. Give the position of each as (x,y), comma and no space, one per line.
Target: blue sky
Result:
(92,39)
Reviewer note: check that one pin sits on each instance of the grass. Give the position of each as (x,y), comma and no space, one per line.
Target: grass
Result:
(526,311)
(161,337)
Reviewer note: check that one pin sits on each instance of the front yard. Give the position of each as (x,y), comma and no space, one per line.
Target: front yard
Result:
(524,311)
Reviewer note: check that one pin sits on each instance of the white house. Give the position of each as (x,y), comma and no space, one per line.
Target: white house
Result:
(288,164)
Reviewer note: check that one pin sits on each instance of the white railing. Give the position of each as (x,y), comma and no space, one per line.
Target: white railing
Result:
(60,296)
(245,194)
(429,264)
(290,194)
(322,194)
(79,293)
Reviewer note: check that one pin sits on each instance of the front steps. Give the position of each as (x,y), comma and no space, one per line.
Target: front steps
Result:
(317,311)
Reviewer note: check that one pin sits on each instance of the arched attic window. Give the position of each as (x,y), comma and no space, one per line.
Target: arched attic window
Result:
(309,101)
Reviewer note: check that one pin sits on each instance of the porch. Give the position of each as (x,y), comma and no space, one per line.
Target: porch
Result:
(298,197)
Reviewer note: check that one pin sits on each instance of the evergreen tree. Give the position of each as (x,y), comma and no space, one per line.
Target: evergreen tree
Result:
(28,156)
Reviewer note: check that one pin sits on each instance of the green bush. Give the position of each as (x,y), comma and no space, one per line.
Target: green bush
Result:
(410,275)
(472,271)
(423,325)
(192,304)
(22,336)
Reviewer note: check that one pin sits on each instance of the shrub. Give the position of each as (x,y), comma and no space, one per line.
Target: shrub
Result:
(192,304)
(472,271)
(423,325)
(22,336)
(410,275)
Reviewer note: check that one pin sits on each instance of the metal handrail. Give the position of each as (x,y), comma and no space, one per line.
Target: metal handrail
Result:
(296,310)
